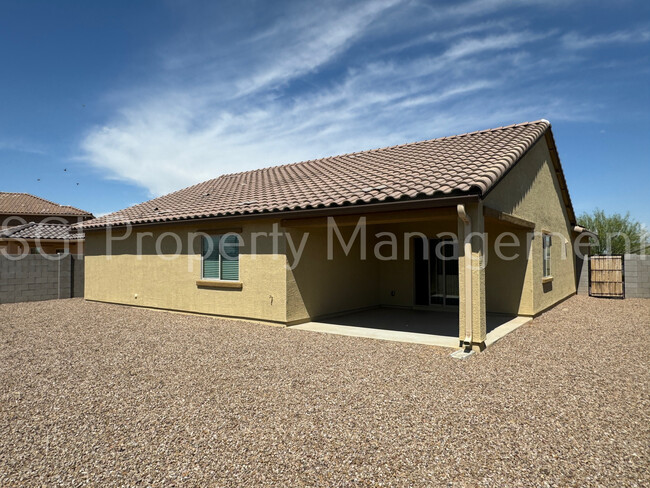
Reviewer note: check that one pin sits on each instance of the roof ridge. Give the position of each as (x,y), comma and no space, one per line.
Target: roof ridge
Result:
(366,151)
(46,201)
(34,196)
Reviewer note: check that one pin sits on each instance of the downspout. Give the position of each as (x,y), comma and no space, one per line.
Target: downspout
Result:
(467,223)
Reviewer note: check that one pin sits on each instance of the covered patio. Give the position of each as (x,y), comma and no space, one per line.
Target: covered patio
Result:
(436,327)
(403,275)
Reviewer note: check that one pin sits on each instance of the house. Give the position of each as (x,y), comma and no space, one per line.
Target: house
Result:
(21,208)
(33,237)
(475,224)
(29,223)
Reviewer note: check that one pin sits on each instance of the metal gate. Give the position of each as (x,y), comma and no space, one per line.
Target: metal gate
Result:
(607,276)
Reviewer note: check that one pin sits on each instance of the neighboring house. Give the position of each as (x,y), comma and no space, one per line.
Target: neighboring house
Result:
(22,208)
(32,238)
(29,223)
(507,179)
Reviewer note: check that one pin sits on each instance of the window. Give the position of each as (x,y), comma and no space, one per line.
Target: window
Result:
(220,262)
(546,256)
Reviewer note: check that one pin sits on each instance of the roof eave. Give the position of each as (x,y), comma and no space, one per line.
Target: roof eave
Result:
(357,208)
(38,239)
(48,214)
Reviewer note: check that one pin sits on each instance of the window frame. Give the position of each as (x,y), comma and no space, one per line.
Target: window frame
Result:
(216,240)
(547,245)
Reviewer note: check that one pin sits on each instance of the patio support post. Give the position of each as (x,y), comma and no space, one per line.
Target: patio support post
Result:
(471,268)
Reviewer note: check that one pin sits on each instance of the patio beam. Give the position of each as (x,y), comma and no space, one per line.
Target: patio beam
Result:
(422,215)
(506,218)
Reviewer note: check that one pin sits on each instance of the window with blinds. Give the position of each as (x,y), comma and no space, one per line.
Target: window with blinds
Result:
(546,256)
(221,257)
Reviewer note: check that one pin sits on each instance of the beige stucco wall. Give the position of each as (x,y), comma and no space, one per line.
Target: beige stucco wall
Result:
(170,282)
(397,285)
(318,287)
(531,191)
(315,287)
(508,287)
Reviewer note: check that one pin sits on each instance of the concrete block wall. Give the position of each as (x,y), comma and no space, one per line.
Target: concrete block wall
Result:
(35,277)
(582,268)
(637,277)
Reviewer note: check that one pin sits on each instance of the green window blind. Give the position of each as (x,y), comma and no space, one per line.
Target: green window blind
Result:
(230,258)
(211,257)
(221,265)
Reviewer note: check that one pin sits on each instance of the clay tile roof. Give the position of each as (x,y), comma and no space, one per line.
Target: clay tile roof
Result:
(34,230)
(462,164)
(26,204)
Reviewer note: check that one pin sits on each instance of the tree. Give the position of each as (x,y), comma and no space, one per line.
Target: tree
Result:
(617,234)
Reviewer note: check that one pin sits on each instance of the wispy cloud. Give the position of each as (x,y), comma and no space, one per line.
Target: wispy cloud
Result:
(313,84)
(313,41)
(21,146)
(574,40)
(513,40)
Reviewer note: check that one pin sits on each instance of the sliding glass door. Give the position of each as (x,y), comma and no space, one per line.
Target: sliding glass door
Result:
(436,273)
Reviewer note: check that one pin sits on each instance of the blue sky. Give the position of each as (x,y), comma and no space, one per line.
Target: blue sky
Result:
(107,104)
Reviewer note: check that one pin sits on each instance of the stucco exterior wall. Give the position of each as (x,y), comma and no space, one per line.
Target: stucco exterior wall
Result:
(318,287)
(531,191)
(396,277)
(508,283)
(169,281)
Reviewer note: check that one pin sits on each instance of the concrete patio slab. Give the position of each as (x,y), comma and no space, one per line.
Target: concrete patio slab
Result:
(383,334)
(504,329)
(429,327)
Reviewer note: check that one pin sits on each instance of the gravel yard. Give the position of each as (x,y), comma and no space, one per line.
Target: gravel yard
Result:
(102,394)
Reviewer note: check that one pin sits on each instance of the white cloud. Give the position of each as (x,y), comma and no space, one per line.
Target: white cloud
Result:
(232,113)
(313,41)
(575,40)
(472,46)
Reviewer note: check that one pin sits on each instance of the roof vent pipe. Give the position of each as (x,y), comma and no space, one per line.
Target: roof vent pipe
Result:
(467,226)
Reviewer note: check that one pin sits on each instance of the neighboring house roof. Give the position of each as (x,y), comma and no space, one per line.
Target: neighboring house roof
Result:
(34,230)
(459,165)
(26,204)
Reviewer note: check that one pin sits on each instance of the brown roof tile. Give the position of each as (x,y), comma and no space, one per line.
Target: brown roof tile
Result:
(26,204)
(34,230)
(468,163)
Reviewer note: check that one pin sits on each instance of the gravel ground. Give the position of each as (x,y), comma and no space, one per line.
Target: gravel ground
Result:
(101,394)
